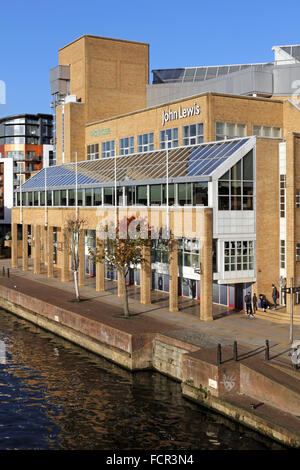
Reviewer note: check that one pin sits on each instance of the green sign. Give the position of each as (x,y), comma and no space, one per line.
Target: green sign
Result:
(98,132)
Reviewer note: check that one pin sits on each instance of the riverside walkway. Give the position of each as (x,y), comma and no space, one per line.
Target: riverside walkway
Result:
(180,334)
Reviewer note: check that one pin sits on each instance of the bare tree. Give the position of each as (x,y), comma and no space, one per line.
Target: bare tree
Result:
(122,251)
(74,229)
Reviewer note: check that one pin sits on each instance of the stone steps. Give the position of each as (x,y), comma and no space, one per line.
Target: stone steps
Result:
(277,316)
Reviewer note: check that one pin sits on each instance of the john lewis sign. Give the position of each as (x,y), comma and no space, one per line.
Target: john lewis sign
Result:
(180,113)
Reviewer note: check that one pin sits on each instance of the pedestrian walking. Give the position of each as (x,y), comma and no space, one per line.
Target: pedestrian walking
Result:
(274,296)
(254,304)
(248,303)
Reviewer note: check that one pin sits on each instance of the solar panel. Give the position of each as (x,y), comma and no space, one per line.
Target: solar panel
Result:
(189,161)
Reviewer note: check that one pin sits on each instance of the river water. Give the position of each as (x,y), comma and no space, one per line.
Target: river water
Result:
(55,395)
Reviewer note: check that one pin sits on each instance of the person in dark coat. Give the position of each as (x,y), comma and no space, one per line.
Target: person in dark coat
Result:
(248,303)
(263,302)
(254,303)
(274,296)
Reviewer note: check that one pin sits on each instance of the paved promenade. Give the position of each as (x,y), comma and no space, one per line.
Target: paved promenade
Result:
(155,317)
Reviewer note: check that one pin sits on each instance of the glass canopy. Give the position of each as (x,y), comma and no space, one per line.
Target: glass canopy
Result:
(178,164)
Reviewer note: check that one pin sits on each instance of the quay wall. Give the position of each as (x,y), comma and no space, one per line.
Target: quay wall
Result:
(217,387)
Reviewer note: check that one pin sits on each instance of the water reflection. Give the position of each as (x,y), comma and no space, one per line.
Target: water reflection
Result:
(53,395)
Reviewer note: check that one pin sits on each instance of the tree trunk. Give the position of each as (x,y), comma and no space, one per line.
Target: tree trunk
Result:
(125,296)
(76,285)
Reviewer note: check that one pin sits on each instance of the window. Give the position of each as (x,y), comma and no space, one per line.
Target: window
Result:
(130,195)
(169,136)
(146,142)
(239,255)
(56,198)
(155,194)
(159,251)
(282,254)
(108,149)
(141,197)
(184,194)
(235,187)
(108,196)
(16,155)
(267,131)
(192,134)
(97,196)
(282,188)
(92,152)
(226,130)
(88,197)
(297,251)
(297,198)
(126,145)
(200,194)
(189,252)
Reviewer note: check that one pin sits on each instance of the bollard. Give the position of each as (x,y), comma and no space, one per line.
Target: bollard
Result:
(267,351)
(235,351)
(7,272)
(219,354)
(3,271)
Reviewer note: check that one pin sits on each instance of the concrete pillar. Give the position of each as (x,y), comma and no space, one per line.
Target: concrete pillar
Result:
(100,283)
(50,270)
(173,271)
(206,276)
(81,251)
(37,250)
(14,245)
(65,256)
(145,287)
(25,247)
(43,244)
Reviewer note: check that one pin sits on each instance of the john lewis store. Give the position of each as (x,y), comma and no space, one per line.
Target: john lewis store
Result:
(231,161)
(216,178)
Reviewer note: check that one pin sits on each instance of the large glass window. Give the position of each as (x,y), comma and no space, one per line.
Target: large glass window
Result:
(170,137)
(97,196)
(227,130)
(80,197)
(192,134)
(126,145)
(235,187)
(56,198)
(267,131)
(146,142)
(239,255)
(30,199)
(108,196)
(200,194)
(141,197)
(159,251)
(189,253)
(64,197)
(108,149)
(93,152)
(184,194)
(130,195)
(16,155)
(49,198)
(155,194)
(88,197)
(72,200)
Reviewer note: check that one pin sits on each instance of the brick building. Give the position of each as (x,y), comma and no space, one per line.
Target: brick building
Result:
(210,152)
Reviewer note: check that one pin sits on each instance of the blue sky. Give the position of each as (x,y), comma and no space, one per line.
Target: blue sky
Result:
(190,33)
